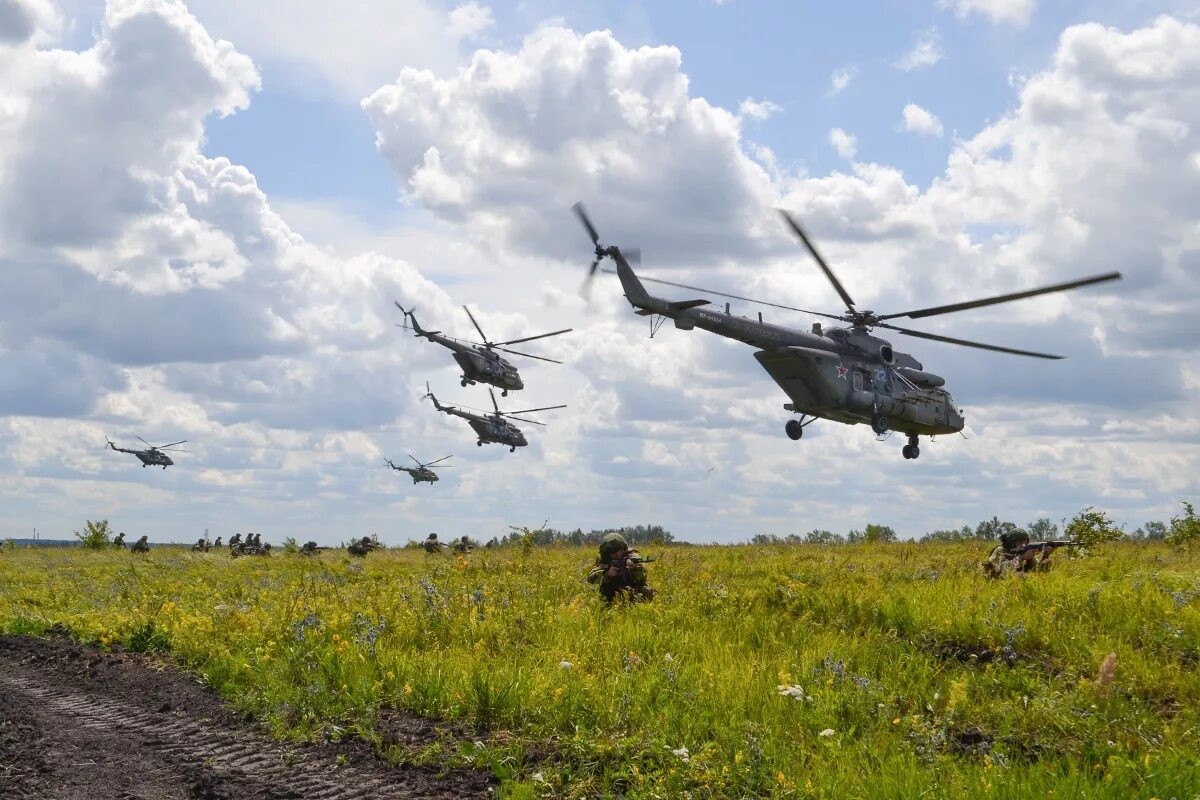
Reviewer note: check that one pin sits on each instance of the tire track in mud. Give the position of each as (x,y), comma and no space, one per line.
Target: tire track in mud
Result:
(173,741)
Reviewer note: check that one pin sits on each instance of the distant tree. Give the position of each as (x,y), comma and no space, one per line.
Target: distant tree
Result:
(993,528)
(963,534)
(1152,531)
(289,545)
(819,536)
(96,535)
(1042,529)
(878,533)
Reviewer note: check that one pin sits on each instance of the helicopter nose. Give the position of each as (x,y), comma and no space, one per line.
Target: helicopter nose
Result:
(518,383)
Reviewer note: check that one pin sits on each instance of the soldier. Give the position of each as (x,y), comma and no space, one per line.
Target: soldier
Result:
(360,547)
(463,545)
(141,545)
(432,545)
(201,546)
(309,549)
(217,543)
(620,570)
(234,541)
(1013,557)
(120,540)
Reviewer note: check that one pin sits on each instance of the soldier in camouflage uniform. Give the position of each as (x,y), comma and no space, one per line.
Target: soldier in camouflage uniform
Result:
(620,571)
(142,545)
(120,540)
(1010,557)
(431,544)
(463,545)
(310,548)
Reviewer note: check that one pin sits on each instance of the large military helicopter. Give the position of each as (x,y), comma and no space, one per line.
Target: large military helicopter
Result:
(479,361)
(493,427)
(841,374)
(155,456)
(421,472)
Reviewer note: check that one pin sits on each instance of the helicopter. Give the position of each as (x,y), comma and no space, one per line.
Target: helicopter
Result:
(154,457)
(844,375)
(492,427)
(421,472)
(480,362)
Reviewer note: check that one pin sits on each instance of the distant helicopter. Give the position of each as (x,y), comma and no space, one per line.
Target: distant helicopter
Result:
(421,472)
(154,457)
(493,427)
(841,374)
(480,362)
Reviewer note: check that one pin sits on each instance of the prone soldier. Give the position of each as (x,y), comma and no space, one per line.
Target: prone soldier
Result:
(1016,555)
(310,548)
(360,547)
(201,546)
(620,570)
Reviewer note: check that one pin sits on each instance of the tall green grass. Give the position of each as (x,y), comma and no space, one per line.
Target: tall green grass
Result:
(844,671)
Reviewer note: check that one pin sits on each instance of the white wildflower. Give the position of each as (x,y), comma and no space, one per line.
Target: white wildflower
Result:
(795,690)
(683,754)
(668,658)
(565,665)
(826,732)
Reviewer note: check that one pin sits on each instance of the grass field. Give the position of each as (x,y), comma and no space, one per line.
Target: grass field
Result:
(890,670)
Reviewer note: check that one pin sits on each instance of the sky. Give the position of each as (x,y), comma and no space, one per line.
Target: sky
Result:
(207,211)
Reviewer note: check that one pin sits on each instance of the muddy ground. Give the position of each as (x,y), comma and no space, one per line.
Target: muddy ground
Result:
(77,723)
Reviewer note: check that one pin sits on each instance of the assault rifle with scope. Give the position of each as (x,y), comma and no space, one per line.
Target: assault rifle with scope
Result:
(1047,545)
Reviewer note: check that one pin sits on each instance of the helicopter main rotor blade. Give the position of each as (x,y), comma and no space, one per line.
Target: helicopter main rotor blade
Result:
(1004,298)
(531,338)
(143,441)
(587,223)
(418,463)
(476,324)
(820,261)
(531,410)
(172,444)
(966,343)
(440,466)
(443,458)
(528,355)
(731,296)
(522,419)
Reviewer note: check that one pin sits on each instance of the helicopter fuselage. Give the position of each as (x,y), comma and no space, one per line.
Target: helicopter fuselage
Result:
(478,364)
(845,375)
(149,458)
(420,474)
(490,428)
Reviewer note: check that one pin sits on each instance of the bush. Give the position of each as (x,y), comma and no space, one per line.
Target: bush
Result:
(1186,529)
(96,535)
(1091,527)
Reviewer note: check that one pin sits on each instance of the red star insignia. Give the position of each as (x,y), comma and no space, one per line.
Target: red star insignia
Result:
(842,371)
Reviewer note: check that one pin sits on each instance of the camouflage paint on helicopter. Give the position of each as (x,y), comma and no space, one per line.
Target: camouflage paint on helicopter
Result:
(480,362)
(421,473)
(493,428)
(845,374)
(153,457)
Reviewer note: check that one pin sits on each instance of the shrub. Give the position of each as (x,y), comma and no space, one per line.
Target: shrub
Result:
(1091,527)
(96,535)
(1186,529)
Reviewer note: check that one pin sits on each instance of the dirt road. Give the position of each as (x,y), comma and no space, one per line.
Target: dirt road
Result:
(80,724)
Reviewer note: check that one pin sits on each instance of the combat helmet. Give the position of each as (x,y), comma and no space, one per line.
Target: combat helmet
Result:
(1013,538)
(612,543)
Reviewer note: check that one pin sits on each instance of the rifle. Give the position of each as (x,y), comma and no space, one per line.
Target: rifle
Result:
(1049,545)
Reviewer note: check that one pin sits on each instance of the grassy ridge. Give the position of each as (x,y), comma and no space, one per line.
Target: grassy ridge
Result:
(847,671)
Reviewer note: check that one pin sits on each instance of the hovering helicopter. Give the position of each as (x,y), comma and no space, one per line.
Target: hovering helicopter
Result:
(492,427)
(480,362)
(421,472)
(154,457)
(841,374)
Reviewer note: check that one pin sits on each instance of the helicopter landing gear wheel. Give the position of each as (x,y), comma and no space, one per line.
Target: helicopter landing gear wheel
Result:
(879,423)
(793,429)
(911,450)
(479,444)
(512,449)
(463,382)
(504,393)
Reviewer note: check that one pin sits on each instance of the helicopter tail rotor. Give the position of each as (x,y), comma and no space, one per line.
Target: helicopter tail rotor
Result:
(601,252)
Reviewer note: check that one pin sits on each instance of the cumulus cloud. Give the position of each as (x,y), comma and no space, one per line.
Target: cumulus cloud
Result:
(1014,12)
(514,139)
(915,119)
(841,79)
(925,53)
(31,21)
(845,143)
(757,110)
(469,20)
